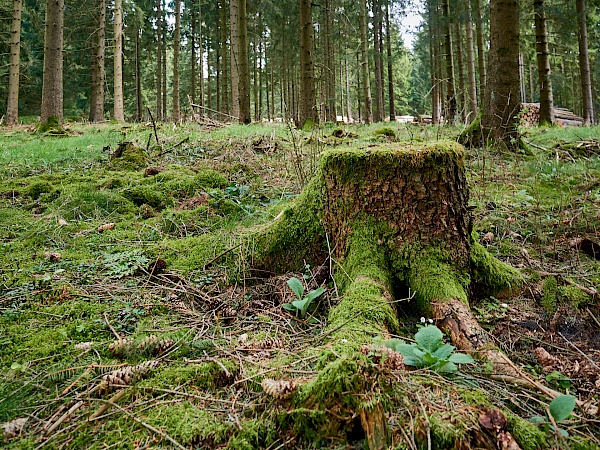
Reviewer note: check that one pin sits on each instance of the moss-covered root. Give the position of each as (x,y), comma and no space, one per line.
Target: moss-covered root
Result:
(442,290)
(491,276)
(365,310)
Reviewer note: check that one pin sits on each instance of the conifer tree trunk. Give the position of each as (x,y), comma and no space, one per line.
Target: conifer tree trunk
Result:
(224,76)
(234,57)
(543,63)
(364,66)
(176,51)
(330,105)
(164,65)
(243,64)
(118,111)
(461,72)
(201,58)
(307,106)
(584,66)
(194,61)
(97,91)
(52,85)
(348,102)
(159,52)
(449,57)
(378,112)
(388,41)
(433,58)
(471,64)
(12,107)
(480,51)
(138,78)
(500,118)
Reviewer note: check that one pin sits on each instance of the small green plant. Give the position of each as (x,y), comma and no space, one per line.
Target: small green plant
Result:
(301,304)
(559,379)
(429,351)
(560,408)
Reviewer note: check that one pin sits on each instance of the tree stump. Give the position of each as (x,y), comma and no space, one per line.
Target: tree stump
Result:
(389,216)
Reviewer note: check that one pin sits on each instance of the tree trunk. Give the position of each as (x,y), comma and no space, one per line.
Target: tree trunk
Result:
(452,106)
(480,51)
(164,66)
(348,104)
(584,66)
(52,84)
(243,64)
(224,92)
(461,71)
(159,52)
(118,111)
(330,106)
(234,57)
(308,113)
(364,65)
(471,64)
(201,55)
(388,41)
(194,61)
(378,112)
(138,78)
(12,107)
(543,63)
(176,51)
(433,57)
(500,119)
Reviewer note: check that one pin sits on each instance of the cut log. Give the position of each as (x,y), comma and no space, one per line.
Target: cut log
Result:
(530,116)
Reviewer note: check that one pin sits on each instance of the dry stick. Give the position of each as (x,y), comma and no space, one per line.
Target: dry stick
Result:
(144,424)
(174,147)
(153,126)
(221,255)
(579,351)
(113,400)
(593,316)
(111,327)
(64,417)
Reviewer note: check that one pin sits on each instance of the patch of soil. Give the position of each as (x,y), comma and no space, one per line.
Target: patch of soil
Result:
(193,202)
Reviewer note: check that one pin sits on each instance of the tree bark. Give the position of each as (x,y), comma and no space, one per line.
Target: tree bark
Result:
(364,65)
(461,71)
(12,107)
(543,63)
(52,85)
(243,64)
(234,57)
(224,78)
(201,59)
(308,100)
(500,119)
(449,58)
(118,110)
(433,57)
(194,60)
(471,64)
(330,105)
(378,112)
(176,52)
(390,71)
(584,66)
(138,78)
(159,52)
(480,51)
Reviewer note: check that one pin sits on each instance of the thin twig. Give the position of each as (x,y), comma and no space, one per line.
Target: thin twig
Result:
(111,327)
(153,126)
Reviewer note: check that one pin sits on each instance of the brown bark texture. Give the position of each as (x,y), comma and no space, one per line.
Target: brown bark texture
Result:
(584,65)
(364,65)
(307,77)
(243,64)
(52,85)
(97,91)
(500,119)
(543,62)
(159,15)
(119,112)
(176,53)
(471,63)
(234,61)
(12,107)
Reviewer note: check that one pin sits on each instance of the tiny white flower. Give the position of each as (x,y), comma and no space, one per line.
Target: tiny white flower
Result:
(422,319)
(344,341)
(430,320)
(504,305)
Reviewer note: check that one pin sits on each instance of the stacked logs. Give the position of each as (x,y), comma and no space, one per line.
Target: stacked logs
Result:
(530,116)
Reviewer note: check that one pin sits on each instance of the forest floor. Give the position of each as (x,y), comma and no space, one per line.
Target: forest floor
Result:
(128,318)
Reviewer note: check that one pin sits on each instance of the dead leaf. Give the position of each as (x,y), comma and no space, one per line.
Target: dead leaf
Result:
(82,233)
(587,246)
(488,238)
(106,227)
(62,222)
(52,256)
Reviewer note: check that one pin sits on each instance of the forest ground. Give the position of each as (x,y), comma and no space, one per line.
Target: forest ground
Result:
(99,250)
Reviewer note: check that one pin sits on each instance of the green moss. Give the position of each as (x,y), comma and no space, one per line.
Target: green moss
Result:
(131,157)
(573,296)
(528,435)
(188,424)
(210,178)
(385,131)
(549,294)
(86,203)
(430,279)
(255,433)
(207,375)
(190,254)
(490,275)
(147,195)
(37,188)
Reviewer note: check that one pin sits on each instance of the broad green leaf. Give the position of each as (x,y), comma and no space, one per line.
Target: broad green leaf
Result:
(562,406)
(461,358)
(447,366)
(289,307)
(565,433)
(537,419)
(411,361)
(296,285)
(314,294)
(429,338)
(393,343)
(444,351)
(406,350)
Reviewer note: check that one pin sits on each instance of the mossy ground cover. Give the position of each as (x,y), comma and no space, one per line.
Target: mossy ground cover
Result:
(70,285)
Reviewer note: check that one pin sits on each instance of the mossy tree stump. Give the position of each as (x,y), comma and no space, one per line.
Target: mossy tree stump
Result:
(389,217)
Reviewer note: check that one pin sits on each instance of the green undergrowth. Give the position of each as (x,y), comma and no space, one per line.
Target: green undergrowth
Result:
(202,213)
